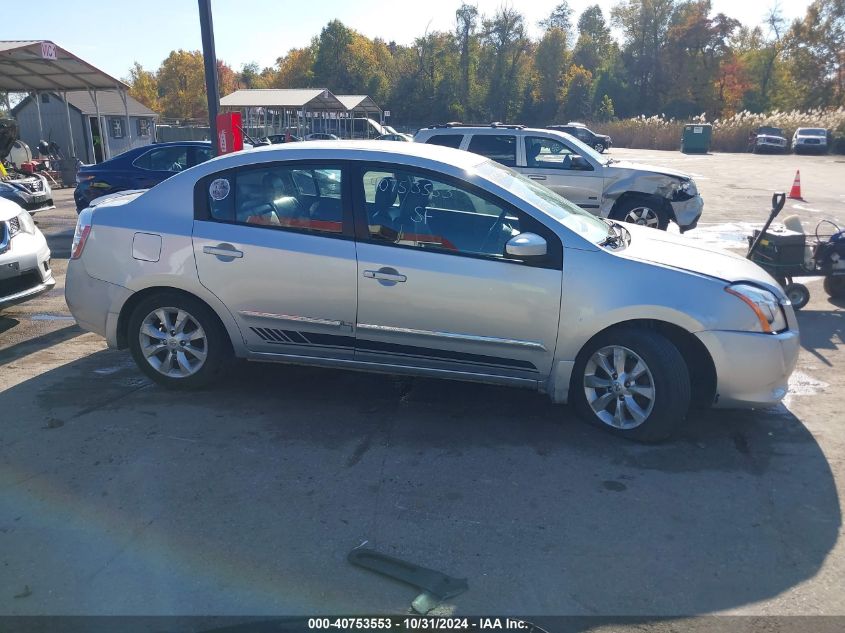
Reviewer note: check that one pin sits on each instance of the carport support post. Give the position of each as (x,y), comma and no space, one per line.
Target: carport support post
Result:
(209,56)
(123,98)
(69,128)
(40,123)
(104,141)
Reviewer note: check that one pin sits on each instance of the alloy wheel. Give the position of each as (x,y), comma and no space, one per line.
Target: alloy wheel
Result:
(173,342)
(619,387)
(644,216)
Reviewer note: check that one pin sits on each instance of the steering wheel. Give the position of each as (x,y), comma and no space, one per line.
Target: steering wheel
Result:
(491,234)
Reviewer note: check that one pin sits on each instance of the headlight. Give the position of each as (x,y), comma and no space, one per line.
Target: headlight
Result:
(688,187)
(764,304)
(21,223)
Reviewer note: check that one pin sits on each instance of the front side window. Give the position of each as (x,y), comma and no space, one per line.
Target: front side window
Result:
(548,153)
(172,159)
(498,147)
(301,197)
(446,140)
(414,209)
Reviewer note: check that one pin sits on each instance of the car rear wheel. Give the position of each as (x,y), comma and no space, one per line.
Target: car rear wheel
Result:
(178,341)
(632,382)
(642,211)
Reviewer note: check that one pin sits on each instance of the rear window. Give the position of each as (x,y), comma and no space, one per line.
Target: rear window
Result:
(501,148)
(446,140)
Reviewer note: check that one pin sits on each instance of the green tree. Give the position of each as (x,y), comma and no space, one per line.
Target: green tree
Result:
(595,48)
(605,112)
(644,24)
(550,62)
(560,18)
(508,48)
(815,53)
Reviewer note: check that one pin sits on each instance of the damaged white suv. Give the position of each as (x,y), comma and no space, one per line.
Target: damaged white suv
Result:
(630,192)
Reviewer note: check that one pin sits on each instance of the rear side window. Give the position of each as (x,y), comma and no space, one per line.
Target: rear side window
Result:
(446,140)
(301,197)
(173,159)
(501,148)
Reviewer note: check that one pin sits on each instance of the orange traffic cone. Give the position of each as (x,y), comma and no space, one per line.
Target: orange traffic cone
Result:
(795,192)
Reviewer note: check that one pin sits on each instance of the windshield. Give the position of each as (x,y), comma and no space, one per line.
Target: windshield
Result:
(570,215)
(812,131)
(775,131)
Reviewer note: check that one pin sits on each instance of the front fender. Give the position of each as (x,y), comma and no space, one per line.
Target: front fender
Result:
(638,183)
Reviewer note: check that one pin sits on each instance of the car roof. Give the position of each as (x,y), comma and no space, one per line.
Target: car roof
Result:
(483,129)
(347,150)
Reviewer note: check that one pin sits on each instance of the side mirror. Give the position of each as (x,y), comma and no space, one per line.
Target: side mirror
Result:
(580,164)
(526,246)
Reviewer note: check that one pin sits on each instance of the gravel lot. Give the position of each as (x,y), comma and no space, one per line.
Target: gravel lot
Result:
(121,498)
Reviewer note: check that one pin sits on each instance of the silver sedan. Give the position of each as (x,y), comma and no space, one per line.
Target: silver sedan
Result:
(417,259)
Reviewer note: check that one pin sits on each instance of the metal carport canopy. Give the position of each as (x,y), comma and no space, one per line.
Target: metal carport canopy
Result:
(39,65)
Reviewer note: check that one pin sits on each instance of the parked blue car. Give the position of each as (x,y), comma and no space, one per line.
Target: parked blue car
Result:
(139,168)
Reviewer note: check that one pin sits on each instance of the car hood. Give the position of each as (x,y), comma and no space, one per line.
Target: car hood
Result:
(8,209)
(618,169)
(816,136)
(770,137)
(675,251)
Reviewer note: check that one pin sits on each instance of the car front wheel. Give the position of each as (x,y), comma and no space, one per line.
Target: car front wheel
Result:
(642,211)
(178,341)
(599,147)
(632,382)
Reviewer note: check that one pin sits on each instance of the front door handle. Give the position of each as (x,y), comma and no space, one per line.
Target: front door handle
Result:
(388,274)
(536,177)
(226,251)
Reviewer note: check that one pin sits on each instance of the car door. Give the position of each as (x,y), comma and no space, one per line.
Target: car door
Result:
(274,242)
(560,167)
(434,288)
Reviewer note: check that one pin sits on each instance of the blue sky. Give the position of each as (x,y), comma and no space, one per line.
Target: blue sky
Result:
(112,35)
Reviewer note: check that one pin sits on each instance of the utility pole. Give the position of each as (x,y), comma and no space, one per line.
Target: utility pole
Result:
(210,58)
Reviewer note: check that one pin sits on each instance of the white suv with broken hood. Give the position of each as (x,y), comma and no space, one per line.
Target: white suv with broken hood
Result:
(631,192)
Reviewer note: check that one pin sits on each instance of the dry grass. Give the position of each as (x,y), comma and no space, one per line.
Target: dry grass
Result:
(729,134)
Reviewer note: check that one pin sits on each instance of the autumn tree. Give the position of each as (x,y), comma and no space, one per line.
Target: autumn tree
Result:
(143,86)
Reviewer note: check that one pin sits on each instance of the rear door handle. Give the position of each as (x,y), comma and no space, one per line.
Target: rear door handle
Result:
(536,177)
(385,276)
(223,250)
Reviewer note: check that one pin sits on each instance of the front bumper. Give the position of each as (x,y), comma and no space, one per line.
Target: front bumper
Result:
(25,270)
(752,370)
(30,202)
(773,146)
(687,212)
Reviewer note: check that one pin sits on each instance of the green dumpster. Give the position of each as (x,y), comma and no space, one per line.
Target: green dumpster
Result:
(696,138)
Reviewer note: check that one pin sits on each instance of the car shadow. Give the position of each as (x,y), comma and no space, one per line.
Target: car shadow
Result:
(822,330)
(542,513)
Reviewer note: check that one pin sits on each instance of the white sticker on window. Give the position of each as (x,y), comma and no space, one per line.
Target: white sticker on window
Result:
(219,189)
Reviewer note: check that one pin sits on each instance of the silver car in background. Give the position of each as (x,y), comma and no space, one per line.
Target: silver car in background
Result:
(24,257)
(416,259)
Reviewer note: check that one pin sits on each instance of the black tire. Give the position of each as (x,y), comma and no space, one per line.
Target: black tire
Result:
(599,147)
(632,205)
(798,294)
(834,286)
(668,373)
(216,345)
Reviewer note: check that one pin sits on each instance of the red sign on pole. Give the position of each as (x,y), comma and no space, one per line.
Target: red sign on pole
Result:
(230,136)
